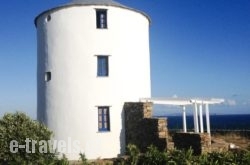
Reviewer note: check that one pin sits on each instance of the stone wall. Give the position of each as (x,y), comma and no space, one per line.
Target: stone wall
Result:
(200,143)
(143,130)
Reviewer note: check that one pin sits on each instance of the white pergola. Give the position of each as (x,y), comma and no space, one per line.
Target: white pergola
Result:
(197,105)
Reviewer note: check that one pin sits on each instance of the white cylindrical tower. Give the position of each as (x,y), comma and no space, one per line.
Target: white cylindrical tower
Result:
(93,56)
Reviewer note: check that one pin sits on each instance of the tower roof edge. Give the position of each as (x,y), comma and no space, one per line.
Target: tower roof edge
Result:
(90,3)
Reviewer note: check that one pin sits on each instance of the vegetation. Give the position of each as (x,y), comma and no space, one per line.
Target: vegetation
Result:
(154,156)
(83,159)
(133,153)
(177,157)
(19,127)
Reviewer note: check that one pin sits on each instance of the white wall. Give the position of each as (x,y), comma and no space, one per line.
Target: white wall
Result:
(67,46)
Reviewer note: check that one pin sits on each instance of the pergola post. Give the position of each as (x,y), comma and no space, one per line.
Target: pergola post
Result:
(207,119)
(196,124)
(201,119)
(184,119)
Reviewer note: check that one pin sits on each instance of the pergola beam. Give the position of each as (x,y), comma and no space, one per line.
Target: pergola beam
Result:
(197,104)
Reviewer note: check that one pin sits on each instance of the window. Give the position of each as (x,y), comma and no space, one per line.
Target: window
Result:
(48,18)
(101,18)
(102,66)
(103,119)
(47,76)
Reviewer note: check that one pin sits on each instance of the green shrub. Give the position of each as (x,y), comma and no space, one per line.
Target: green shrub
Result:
(218,158)
(119,161)
(246,158)
(154,157)
(18,127)
(185,157)
(181,157)
(62,161)
(133,153)
(83,159)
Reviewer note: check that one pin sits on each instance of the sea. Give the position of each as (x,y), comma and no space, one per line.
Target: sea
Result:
(217,122)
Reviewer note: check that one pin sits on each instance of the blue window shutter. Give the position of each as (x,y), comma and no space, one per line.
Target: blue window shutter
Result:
(102,66)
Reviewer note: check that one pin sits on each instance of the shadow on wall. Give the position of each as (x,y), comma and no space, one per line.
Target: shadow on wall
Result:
(122,135)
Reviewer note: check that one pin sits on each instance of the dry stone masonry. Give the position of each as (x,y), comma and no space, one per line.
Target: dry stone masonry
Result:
(143,130)
(199,142)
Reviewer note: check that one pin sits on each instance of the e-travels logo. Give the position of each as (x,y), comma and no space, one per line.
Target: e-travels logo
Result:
(49,146)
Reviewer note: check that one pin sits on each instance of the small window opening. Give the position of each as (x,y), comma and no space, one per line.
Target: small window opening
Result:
(101,19)
(47,76)
(102,66)
(103,119)
(48,18)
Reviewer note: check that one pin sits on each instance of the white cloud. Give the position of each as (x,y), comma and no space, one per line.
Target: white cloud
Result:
(230,102)
(175,96)
(246,102)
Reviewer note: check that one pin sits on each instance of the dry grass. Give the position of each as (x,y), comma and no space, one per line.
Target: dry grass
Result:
(223,139)
(98,161)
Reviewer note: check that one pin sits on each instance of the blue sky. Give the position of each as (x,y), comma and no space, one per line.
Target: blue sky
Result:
(199,48)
